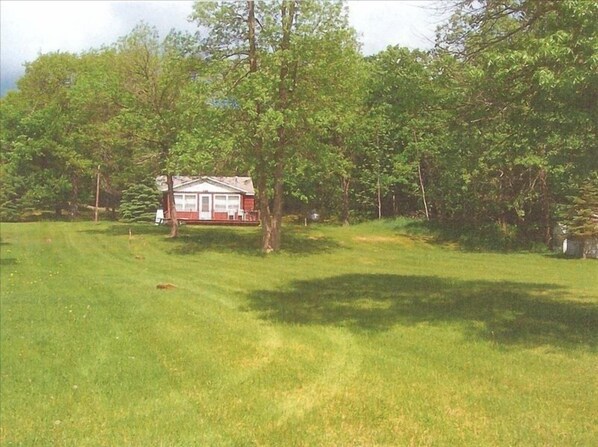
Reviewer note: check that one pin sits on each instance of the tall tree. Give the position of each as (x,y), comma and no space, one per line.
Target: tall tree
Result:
(405,99)
(581,215)
(41,129)
(157,79)
(282,60)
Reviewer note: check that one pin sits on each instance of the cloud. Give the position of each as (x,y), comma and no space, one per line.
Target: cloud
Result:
(164,15)
(31,28)
(383,23)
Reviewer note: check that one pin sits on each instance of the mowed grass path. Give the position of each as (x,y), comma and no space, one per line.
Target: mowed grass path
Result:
(352,336)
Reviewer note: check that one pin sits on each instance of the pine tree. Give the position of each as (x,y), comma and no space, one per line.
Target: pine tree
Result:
(139,203)
(582,215)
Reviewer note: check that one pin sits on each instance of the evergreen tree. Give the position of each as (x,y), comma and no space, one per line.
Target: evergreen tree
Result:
(581,218)
(139,203)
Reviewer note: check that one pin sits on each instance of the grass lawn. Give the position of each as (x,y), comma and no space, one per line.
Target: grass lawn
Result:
(353,336)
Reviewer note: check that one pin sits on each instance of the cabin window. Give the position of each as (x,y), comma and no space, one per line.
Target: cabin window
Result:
(226,202)
(233,203)
(185,202)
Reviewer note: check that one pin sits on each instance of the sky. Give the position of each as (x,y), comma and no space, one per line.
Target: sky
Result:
(30,28)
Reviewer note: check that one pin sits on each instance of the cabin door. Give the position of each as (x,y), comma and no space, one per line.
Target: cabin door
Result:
(205,207)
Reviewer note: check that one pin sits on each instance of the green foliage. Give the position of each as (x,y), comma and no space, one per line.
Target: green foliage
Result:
(287,66)
(491,129)
(11,205)
(522,128)
(405,130)
(139,203)
(54,131)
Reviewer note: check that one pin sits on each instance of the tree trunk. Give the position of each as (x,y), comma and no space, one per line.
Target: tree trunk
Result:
(74,203)
(421,180)
(251,36)
(174,223)
(378,186)
(266,220)
(272,231)
(97,207)
(265,215)
(345,183)
(423,189)
(379,195)
(277,205)
(271,219)
(545,207)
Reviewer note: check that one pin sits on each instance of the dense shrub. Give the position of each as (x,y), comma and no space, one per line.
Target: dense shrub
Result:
(580,217)
(139,203)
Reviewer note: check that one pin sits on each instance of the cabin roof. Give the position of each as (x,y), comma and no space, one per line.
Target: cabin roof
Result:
(242,184)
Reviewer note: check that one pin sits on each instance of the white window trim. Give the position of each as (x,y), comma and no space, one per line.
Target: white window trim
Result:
(185,199)
(232,202)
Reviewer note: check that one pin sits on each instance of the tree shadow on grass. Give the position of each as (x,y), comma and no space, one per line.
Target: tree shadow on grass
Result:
(225,240)
(6,261)
(468,237)
(504,312)
(238,240)
(247,241)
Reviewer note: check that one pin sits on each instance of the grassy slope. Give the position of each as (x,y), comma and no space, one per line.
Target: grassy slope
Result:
(352,336)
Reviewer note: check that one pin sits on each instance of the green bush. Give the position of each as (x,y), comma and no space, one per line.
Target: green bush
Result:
(139,203)
(581,215)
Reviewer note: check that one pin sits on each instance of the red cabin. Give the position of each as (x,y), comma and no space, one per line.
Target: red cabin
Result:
(210,200)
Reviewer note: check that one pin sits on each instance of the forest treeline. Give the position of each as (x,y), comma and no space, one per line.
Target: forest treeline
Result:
(495,126)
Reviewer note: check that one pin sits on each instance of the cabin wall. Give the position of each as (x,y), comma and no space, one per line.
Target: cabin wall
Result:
(247,204)
(219,216)
(190,215)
